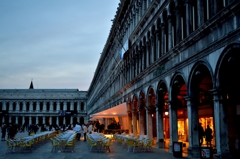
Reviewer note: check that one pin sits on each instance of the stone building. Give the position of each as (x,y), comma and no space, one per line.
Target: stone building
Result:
(172,64)
(42,106)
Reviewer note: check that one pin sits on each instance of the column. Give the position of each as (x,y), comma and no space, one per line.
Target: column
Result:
(16,120)
(178,25)
(173,124)
(58,105)
(149,124)
(23,120)
(51,106)
(143,50)
(37,106)
(141,121)
(31,106)
(194,145)
(147,54)
(170,33)
(50,120)
(4,105)
(37,120)
(158,44)
(24,106)
(163,42)
(71,105)
(17,106)
(200,12)
(134,117)
(44,106)
(78,105)
(64,106)
(10,105)
(160,135)
(71,120)
(221,124)
(189,17)
(30,120)
(130,122)
(44,120)
(57,120)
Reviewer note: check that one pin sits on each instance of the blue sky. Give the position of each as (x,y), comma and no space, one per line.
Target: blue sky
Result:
(55,43)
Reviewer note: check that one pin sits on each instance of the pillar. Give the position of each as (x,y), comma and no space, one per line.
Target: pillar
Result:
(51,106)
(200,13)
(170,33)
(130,122)
(194,145)
(37,120)
(134,119)
(173,124)
(57,120)
(149,124)
(44,106)
(221,124)
(30,120)
(16,120)
(44,120)
(17,106)
(178,25)
(24,106)
(160,135)
(37,106)
(31,106)
(64,106)
(23,120)
(58,105)
(10,106)
(4,105)
(50,118)
(189,18)
(163,42)
(141,121)
(71,105)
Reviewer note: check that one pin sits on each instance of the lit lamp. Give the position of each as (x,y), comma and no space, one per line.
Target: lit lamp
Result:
(166,113)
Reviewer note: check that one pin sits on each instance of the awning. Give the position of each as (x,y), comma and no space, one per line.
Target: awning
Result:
(119,110)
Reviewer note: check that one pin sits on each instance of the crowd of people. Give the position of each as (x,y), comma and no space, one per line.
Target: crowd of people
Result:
(9,131)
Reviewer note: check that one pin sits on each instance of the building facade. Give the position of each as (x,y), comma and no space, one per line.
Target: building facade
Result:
(42,106)
(173,63)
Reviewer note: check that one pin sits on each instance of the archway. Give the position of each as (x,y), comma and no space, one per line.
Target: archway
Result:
(178,110)
(229,90)
(201,92)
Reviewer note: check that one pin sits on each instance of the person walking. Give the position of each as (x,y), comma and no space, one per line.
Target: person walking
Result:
(208,133)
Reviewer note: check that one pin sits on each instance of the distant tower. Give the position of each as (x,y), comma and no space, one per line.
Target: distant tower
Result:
(31,85)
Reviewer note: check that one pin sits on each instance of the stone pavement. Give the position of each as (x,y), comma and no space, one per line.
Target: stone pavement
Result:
(82,152)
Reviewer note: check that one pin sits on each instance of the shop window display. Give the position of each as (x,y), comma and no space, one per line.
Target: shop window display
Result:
(205,121)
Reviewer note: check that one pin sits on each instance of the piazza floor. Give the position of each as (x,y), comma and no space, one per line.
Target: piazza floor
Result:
(82,152)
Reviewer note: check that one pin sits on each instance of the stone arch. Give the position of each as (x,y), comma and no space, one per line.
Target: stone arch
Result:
(201,105)
(228,90)
(178,109)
